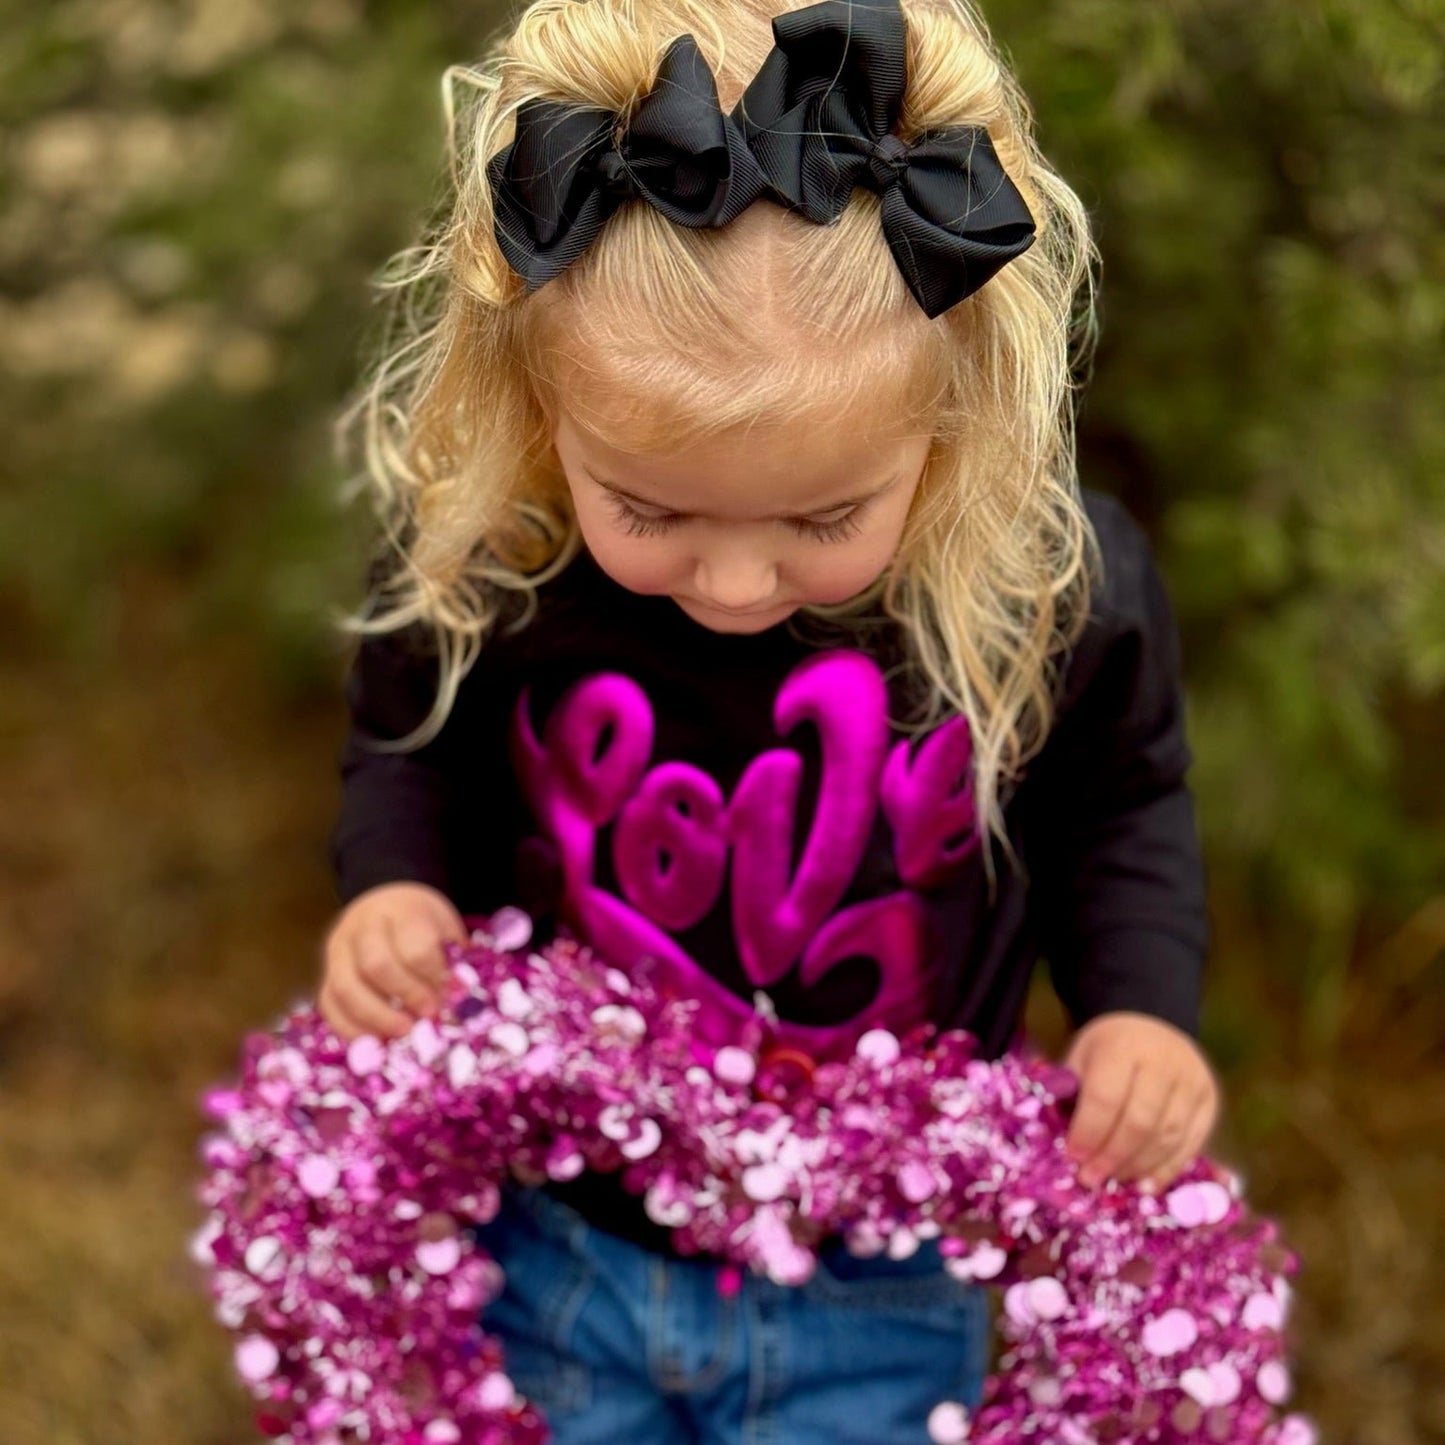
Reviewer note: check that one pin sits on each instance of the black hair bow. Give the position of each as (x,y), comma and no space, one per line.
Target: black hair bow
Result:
(819,116)
(568,170)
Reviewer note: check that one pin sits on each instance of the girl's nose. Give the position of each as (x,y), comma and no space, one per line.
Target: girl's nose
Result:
(736,581)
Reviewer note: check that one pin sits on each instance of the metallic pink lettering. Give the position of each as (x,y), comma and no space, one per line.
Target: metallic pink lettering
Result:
(670,847)
(674,834)
(928,801)
(844,696)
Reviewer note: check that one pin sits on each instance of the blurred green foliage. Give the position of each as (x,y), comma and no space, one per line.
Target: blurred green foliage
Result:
(194,195)
(1268,181)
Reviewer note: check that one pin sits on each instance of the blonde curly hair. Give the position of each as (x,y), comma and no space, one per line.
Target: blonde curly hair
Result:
(664,334)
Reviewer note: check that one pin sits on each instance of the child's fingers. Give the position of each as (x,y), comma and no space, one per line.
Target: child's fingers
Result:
(415,943)
(382,977)
(334,1014)
(343,1016)
(1103,1095)
(449,925)
(375,1015)
(1164,1139)
(1133,1127)
(1196,1132)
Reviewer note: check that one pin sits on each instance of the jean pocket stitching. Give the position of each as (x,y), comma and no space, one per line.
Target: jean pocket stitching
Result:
(552,1320)
(712,1372)
(554,1309)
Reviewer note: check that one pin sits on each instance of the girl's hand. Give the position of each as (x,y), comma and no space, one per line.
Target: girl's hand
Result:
(1148,1099)
(385,949)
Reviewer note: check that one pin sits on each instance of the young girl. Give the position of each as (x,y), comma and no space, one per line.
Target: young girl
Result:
(738,604)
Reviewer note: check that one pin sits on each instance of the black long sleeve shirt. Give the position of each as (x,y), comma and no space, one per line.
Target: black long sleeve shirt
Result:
(742,813)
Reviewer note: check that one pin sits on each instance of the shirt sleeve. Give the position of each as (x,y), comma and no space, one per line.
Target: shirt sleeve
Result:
(392,824)
(1117,888)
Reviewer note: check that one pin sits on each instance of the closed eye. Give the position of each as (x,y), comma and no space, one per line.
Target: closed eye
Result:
(643,524)
(836,529)
(650,524)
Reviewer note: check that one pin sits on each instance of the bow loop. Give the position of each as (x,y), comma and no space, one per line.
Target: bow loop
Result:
(820,115)
(568,169)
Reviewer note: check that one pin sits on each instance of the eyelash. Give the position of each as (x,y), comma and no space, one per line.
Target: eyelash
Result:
(638,524)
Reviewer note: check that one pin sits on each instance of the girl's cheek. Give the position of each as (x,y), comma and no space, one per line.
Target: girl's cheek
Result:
(649,565)
(827,574)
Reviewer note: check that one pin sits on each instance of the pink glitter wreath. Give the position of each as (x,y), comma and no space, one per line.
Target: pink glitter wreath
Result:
(342,1180)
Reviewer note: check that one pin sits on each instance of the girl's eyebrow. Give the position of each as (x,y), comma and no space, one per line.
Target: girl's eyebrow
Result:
(837,506)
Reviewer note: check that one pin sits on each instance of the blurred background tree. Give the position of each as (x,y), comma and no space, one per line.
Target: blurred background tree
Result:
(1268,185)
(194,195)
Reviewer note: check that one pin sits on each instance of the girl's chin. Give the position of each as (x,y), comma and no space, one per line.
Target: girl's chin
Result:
(715,619)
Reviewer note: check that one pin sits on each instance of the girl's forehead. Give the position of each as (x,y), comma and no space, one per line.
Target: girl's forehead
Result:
(663,415)
(817,460)
(735,353)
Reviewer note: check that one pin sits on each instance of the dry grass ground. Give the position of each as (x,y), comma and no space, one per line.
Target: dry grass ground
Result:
(161,852)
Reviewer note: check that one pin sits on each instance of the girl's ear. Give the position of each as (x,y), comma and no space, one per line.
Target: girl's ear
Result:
(545,398)
(548,417)
(551,416)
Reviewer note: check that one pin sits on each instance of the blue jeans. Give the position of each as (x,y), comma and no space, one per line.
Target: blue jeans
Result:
(622,1346)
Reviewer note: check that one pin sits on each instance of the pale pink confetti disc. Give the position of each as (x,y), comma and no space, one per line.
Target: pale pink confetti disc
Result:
(324,1413)
(317,1175)
(734,1065)
(903,1243)
(461,1066)
(265,1256)
(986,1262)
(201,1241)
(511,1038)
(765,1182)
(365,1054)
(542,1059)
(1273,1382)
(948,1423)
(879,1047)
(1170,1332)
(1017,1305)
(496,1392)
(256,1359)
(439,1256)
(1204,1202)
(614,1123)
(1047,1297)
(916,1182)
(511,930)
(1296,1430)
(1227,1383)
(426,1042)
(1046,1390)
(1198,1385)
(564,1161)
(1263,1312)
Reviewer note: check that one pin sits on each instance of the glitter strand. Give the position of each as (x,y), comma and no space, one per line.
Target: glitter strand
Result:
(342,1182)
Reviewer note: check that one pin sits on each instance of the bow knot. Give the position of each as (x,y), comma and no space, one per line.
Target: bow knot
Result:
(615,175)
(887,158)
